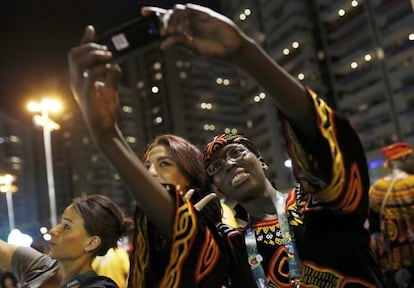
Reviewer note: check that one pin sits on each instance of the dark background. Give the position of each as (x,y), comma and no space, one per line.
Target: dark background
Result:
(37,34)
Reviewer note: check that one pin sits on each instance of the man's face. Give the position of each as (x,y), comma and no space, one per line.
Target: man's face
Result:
(237,173)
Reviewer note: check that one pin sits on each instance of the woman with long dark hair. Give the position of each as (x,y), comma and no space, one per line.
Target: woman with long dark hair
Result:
(179,238)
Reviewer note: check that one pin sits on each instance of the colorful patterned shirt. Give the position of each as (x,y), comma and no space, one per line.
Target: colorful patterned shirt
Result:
(327,219)
(394,242)
(205,255)
(328,216)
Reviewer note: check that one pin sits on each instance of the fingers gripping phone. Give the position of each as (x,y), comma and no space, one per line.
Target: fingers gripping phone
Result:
(131,35)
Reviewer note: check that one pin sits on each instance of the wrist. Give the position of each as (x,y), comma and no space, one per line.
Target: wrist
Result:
(106,136)
(243,52)
(248,56)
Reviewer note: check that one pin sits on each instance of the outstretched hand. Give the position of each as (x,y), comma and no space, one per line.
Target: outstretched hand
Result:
(94,84)
(198,28)
(203,202)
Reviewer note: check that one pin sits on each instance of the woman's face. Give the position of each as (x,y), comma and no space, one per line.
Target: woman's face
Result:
(69,237)
(9,283)
(162,166)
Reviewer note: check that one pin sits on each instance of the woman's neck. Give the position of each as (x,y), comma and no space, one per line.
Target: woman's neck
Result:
(68,271)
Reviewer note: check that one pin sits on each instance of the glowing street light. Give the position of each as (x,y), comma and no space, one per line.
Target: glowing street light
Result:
(20,239)
(6,186)
(47,106)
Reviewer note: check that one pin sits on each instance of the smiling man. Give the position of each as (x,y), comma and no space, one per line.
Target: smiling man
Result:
(322,222)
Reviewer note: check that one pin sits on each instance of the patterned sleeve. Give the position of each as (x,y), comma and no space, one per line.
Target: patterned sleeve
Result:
(333,169)
(197,256)
(184,232)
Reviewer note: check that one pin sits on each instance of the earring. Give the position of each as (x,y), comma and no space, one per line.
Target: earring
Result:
(86,250)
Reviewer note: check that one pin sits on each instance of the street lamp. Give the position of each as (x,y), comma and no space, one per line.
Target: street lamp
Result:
(6,186)
(47,106)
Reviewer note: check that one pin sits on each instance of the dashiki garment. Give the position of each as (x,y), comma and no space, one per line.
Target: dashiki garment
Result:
(327,217)
(200,255)
(393,235)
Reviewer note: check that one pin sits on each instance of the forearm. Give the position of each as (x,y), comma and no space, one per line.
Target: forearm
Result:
(6,254)
(151,196)
(287,93)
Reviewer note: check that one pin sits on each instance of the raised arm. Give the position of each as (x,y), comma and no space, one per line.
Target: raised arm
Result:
(6,254)
(210,34)
(95,89)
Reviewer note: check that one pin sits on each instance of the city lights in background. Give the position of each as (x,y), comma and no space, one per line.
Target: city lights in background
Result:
(20,239)
(7,187)
(260,97)
(373,164)
(288,163)
(230,130)
(15,236)
(45,233)
(246,13)
(354,64)
(45,107)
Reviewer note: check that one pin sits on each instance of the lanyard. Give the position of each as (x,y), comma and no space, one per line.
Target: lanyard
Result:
(254,257)
(288,238)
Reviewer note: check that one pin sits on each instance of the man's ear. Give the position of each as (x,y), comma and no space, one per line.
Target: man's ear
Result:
(262,161)
(93,243)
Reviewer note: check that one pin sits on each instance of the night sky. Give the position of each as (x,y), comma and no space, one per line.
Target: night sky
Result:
(37,34)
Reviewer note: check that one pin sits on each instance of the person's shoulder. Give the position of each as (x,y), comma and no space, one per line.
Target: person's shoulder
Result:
(407,176)
(29,254)
(383,180)
(100,282)
(121,252)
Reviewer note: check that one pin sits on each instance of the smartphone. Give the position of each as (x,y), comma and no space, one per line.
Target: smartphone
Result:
(131,35)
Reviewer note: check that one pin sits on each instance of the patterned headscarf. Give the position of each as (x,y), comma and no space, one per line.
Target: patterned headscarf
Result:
(396,151)
(221,140)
